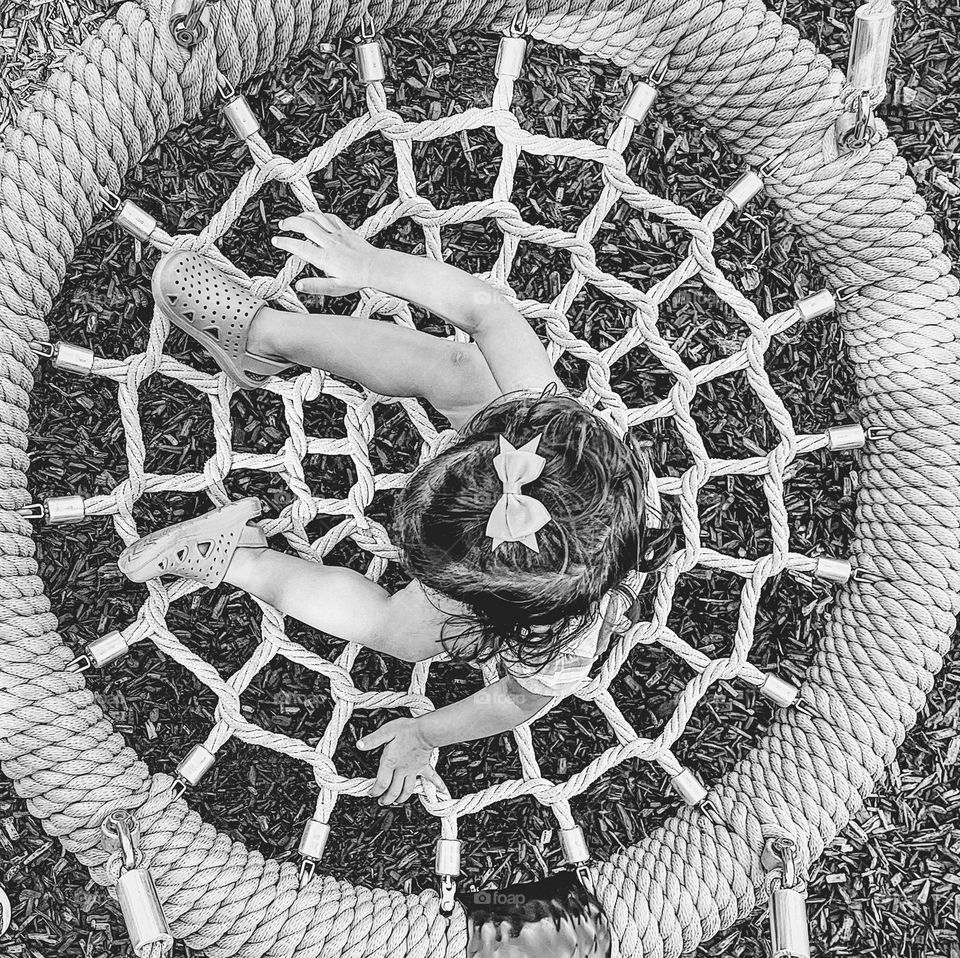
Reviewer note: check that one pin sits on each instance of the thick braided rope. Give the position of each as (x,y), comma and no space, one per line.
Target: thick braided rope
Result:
(700,904)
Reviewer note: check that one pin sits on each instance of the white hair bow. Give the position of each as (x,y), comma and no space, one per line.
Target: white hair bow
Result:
(516,517)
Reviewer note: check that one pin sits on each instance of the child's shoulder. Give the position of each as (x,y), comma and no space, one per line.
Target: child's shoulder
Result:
(437,602)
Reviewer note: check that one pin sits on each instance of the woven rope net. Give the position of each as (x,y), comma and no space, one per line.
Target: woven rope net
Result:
(732,65)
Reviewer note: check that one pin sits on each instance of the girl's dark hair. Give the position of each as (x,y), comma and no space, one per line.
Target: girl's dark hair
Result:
(525,603)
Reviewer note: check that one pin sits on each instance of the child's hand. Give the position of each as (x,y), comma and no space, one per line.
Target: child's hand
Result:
(406,756)
(331,246)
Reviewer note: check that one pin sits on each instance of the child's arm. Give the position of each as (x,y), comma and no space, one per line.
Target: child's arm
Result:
(512,349)
(496,708)
(408,742)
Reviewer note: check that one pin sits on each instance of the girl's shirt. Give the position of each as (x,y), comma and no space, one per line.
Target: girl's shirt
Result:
(570,667)
(567,671)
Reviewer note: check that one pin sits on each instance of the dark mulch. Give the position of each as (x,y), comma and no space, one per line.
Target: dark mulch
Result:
(889,886)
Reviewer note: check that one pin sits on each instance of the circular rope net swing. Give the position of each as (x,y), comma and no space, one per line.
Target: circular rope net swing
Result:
(775,102)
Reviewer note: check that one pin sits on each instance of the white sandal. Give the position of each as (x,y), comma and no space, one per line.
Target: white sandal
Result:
(198,549)
(217,312)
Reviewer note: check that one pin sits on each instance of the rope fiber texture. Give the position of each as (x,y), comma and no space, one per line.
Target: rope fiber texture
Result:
(736,67)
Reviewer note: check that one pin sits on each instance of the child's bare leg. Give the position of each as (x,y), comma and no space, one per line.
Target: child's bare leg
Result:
(335,600)
(389,359)
(331,598)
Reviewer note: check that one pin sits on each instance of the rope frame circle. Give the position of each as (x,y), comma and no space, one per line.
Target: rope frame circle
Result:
(771,97)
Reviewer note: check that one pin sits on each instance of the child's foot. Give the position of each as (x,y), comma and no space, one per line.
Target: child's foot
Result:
(217,312)
(198,549)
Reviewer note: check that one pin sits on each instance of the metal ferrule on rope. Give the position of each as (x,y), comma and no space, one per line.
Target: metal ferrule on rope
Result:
(576,852)
(789,929)
(866,72)
(370,65)
(57,510)
(686,784)
(745,189)
(841,571)
(779,691)
(193,766)
(242,119)
(136,221)
(369,55)
(447,868)
(821,303)
(313,841)
(849,436)
(143,914)
(510,57)
(643,95)
(101,652)
(67,356)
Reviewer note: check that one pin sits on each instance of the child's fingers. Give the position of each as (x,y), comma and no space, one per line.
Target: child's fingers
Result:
(389,797)
(308,226)
(320,286)
(308,252)
(409,787)
(323,220)
(376,738)
(383,780)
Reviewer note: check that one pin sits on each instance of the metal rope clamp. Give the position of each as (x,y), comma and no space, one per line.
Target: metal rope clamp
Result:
(789,930)
(866,75)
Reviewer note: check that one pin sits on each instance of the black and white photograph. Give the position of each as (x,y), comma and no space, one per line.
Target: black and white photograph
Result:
(479,479)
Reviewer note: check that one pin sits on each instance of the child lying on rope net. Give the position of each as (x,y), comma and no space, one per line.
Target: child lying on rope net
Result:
(515,536)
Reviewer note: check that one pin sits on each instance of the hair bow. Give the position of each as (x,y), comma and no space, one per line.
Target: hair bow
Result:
(516,517)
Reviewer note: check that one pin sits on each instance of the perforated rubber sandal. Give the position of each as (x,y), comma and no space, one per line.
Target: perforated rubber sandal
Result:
(198,549)
(217,312)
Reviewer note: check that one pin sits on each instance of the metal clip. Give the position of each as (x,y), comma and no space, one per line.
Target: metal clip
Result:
(686,784)
(368,30)
(185,25)
(660,72)
(43,350)
(448,895)
(194,765)
(857,127)
(110,199)
(778,857)
(844,294)
(519,25)
(861,575)
(120,832)
(773,165)
(225,88)
(79,664)
(879,433)
(101,652)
